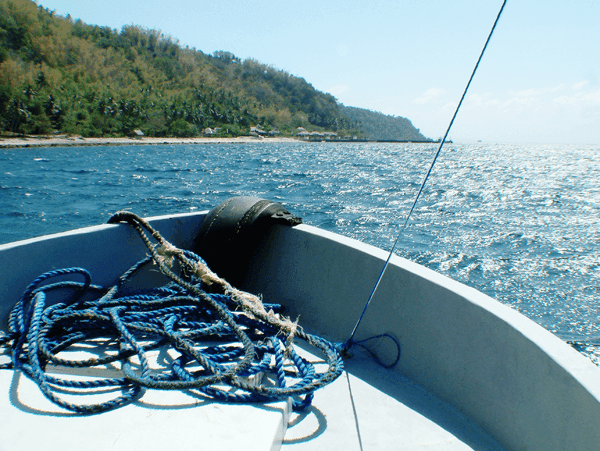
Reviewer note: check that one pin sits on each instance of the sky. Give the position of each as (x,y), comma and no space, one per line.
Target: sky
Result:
(538,82)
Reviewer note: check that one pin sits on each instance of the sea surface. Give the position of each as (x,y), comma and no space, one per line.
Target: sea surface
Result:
(520,223)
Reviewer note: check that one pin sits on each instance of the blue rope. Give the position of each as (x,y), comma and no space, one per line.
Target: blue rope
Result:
(219,347)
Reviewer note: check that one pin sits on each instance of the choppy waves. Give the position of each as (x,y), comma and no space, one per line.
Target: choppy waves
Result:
(520,223)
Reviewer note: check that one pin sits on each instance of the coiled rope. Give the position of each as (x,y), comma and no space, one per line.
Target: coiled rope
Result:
(228,345)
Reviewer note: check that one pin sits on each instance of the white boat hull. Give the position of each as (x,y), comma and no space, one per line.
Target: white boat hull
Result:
(522,385)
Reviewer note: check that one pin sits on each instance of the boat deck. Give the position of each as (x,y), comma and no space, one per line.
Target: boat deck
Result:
(368,407)
(160,420)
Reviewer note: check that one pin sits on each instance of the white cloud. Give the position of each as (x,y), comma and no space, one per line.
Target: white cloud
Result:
(592,98)
(562,113)
(527,93)
(581,99)
(566,100)
(520,102)
(533,99)
(486,100)
(581,84)
(429,96)
(338,90)
(449,106)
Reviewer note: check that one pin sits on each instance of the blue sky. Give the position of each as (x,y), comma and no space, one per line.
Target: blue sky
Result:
(538,82)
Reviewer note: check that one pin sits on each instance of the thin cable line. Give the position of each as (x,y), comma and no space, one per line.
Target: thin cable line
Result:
(356,422)
(348,343)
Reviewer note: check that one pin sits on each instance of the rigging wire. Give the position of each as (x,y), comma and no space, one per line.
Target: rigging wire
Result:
(350,342)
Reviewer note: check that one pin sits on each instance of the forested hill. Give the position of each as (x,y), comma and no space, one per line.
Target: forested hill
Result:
(379,127)
(60,75)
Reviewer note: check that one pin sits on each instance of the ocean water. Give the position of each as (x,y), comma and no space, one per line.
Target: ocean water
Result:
(520,223)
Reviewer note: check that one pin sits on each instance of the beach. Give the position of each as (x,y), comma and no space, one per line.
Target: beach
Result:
(63,140)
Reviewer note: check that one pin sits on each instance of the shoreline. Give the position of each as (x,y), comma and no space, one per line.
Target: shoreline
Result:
(62,141)
(72,141)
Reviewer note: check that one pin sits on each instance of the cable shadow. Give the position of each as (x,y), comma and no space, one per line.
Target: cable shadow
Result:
(354,412)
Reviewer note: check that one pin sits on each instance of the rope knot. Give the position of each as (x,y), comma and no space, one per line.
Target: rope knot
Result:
(205,274)
(166,253)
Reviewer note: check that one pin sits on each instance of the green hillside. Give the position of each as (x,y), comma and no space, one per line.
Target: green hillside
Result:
(60,75)
(380,127)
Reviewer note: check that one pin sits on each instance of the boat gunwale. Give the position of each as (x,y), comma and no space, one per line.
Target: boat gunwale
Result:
(567,361)
(562,353)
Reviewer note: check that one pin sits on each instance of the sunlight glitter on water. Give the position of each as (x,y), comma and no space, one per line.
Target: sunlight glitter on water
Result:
(520,223)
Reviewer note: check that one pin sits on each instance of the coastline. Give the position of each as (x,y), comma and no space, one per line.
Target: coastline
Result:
(60,141)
